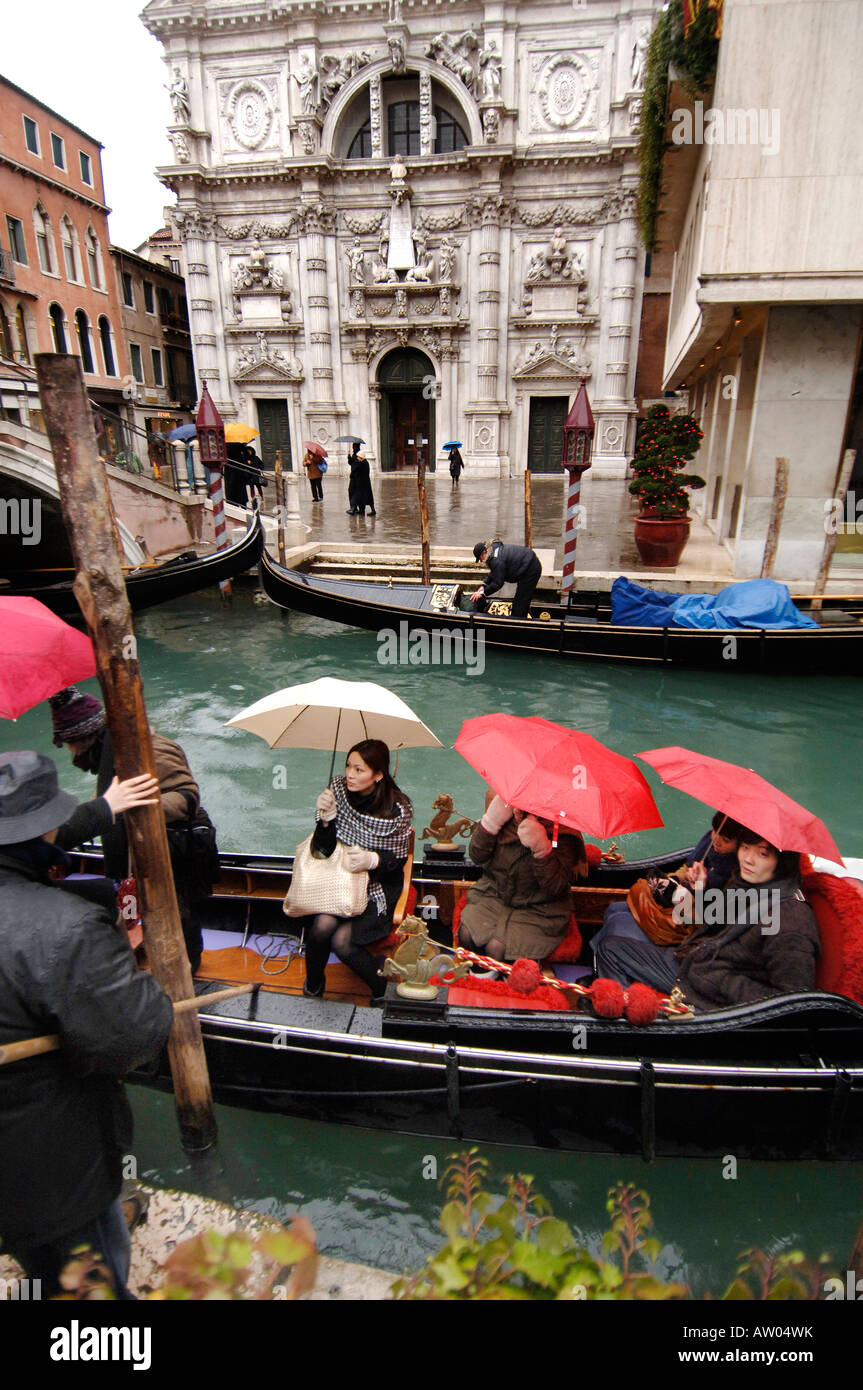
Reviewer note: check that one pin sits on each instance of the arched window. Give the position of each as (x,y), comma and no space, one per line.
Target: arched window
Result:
(94,259)
(82,327)
(5,335)
(361,145)
(58,327)
(44,239)
(403,127)
(449,135)
(20,324)
(106,339)
(71,250)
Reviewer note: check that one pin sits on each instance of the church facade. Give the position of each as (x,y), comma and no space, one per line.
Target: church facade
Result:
(411,222)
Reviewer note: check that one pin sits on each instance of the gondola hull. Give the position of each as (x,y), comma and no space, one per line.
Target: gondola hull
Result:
(584,630)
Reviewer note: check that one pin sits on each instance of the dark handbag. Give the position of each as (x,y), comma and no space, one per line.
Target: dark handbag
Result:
(194,854)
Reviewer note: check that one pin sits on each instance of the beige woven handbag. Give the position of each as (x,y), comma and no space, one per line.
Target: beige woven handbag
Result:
(325,885)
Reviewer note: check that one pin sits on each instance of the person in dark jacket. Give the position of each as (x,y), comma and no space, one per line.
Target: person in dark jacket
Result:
(79,722)
(507,564)
(65,970)
(360,493)
(753,939)
(456,464)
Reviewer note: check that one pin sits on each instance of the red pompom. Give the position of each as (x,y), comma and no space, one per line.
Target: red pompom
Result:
(525,976)
(593,854)
(642,1004)
(607,998)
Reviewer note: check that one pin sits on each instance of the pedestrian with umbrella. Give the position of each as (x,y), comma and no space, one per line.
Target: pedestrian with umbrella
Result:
(313,458)
(360,493)
(456,462)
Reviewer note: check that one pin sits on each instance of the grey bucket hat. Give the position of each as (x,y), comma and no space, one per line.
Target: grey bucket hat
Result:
(30,798)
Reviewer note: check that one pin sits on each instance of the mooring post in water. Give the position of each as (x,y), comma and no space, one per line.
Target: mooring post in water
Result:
(424,518)
(528,510)
(101,593)
(780,492)
(280,505)
(832,524)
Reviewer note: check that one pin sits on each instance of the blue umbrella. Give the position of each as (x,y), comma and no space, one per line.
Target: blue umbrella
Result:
(453,444)
(184,432)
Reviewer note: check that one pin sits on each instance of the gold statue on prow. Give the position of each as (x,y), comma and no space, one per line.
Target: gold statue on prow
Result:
(417,959)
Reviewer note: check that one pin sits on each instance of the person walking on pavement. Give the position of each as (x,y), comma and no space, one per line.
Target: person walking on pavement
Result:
(507,564)
(456,464)
(312,465)
(64,969)
(360,493)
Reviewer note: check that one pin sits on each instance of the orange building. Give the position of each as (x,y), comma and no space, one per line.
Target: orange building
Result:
(58,292)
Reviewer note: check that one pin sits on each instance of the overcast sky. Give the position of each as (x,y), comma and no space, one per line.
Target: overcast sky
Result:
(95,63)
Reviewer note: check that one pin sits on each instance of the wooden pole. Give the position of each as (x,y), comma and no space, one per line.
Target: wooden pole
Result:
(424,520)
(528,510)
(780,492)
(845,470)
(280,504)
(101,594)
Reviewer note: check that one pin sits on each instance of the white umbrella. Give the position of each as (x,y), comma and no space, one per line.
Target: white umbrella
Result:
(334,714)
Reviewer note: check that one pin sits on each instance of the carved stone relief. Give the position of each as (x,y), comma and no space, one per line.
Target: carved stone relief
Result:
(564,90)
(249,107)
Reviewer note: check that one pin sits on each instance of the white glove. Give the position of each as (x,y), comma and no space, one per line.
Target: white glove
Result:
(358,859)
(326,805)
(496,817)
(533,837)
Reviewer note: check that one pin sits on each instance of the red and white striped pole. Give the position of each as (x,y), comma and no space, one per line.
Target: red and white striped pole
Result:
(577,440)
(214,456)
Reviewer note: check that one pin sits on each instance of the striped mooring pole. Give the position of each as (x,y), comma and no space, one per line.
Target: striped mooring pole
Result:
(570,532)
(214,456)
(577,442)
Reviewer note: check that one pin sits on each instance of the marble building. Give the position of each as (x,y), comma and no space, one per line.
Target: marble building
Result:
(411,221)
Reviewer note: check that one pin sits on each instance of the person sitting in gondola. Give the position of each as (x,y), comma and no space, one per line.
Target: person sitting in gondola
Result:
(366,811)
(522,904)
(753,939)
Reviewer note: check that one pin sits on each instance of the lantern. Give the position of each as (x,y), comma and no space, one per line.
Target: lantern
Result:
(211,434)
(578,433)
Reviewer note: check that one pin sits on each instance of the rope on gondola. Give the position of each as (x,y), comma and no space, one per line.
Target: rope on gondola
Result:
(373,1095)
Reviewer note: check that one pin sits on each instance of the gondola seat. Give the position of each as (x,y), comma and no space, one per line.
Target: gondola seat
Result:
(566,952)
(838,907)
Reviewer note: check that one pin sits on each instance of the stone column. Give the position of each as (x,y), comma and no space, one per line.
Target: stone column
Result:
(317,220)
(426,122)
(196,229)
(375,107)
(488,209)
(615,405)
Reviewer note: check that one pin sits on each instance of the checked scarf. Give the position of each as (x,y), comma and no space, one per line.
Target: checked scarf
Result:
(383,834)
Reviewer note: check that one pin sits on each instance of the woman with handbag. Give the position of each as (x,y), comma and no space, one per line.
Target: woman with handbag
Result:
(367,818)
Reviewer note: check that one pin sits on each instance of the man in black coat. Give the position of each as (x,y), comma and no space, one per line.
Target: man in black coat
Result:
(64,969)
(507,564)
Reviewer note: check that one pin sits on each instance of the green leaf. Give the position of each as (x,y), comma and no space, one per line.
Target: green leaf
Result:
(553,1235)
(450,1275)
(738,1292)
(452,1219)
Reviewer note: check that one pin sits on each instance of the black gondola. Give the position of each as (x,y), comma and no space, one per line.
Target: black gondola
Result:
(148,585)
(582,630)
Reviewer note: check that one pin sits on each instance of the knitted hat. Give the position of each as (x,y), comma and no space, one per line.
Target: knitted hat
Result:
(75,716)
(30,799)
(478,550)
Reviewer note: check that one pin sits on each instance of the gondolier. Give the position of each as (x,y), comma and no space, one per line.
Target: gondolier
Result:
(507,564)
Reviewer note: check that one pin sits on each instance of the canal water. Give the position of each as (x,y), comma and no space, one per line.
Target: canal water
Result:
(369,1194)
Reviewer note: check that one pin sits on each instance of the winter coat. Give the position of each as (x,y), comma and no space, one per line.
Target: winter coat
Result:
(737,961)
(456,464)
(64,1118)
(523,901)
(312,465)
(506,565)
(360,493)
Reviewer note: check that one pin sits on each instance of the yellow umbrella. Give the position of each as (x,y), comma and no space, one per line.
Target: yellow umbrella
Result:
(238,433)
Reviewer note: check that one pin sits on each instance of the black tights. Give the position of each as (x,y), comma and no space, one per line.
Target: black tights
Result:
(328,933)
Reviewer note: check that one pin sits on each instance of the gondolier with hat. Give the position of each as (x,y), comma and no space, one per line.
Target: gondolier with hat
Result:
(65,970)
(507,564)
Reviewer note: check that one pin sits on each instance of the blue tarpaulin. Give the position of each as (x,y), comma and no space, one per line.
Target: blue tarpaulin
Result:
(758,603)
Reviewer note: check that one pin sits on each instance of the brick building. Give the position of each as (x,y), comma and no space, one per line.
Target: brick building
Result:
(155,325)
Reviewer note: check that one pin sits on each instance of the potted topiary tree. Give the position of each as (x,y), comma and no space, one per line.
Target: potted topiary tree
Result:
(665,443)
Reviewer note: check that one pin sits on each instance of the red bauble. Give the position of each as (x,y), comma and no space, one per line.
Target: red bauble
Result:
(593,855)
(525,976)
(607,998)
(642,1004)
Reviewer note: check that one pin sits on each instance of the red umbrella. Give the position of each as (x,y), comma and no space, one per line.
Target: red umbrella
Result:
(39,655)
(744,796)
(559,774)
(314,448)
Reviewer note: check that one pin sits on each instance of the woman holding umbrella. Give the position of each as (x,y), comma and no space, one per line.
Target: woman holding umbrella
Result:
(360,493)
(368,812)
(312,464)
(456,462)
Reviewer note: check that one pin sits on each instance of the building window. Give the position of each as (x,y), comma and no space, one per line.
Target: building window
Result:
(86,168)
(106,339)
(137,363)
(5,335)
(361,145)
(23,344)
(58,151)
(166,304)
(158,374)
(82,328)
(44,240)
(31,135)
(71,251)
(449,135)
(94,258)
(149,297)
(175,266)
(15,228)
(128,289)
(58,328)
(403,119)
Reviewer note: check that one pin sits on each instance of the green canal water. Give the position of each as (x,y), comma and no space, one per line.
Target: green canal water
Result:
(365,1191)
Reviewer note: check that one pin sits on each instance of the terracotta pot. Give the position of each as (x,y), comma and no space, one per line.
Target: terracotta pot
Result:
(660,543)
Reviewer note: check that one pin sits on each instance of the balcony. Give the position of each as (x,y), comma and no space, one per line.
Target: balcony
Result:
(7,268)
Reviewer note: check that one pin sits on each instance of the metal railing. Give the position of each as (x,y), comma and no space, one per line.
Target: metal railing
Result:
(7,267)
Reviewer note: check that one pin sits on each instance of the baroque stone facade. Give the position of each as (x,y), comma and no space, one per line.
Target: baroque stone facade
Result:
(424,212)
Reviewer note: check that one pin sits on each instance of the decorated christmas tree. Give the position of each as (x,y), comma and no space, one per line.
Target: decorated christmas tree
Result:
(665,443)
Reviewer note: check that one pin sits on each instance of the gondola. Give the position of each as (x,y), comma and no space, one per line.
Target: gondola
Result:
(584,629)
(148,585)
(778,1079)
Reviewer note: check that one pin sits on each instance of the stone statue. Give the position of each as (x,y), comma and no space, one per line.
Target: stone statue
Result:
(395,11)
(181,148)
(356,261)
(447,259)
(397,52)
(307,79)
(420,239)
(263,347)
(246,358)
(490,65)
(179,94)
(491,125)
(382,274)
(556,255)
(536,270)
(423,272)
(639,58)
(458,56)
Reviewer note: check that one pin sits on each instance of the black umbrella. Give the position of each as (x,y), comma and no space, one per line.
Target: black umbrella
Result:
(349,439)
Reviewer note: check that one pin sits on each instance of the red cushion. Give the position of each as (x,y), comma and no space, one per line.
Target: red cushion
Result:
(838,907)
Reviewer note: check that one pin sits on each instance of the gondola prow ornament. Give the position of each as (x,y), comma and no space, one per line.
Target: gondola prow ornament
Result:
(214,455)
(577,444)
